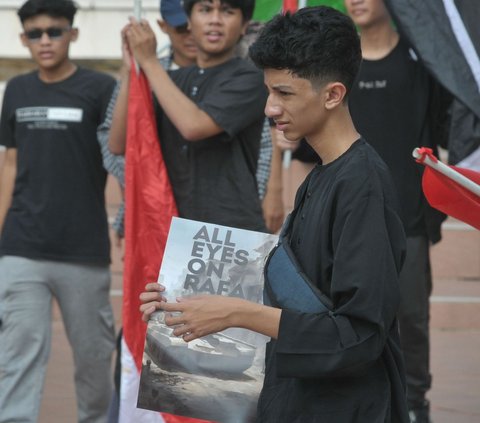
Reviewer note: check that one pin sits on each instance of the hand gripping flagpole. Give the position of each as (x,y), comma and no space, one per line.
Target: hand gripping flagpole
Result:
(424,155)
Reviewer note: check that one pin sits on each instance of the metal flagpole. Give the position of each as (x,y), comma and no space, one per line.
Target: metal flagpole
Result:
(137,14)
(447,171)
(302,3)
(137,9)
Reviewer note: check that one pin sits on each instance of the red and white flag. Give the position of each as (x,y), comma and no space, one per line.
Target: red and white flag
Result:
(453,190)
(150,205)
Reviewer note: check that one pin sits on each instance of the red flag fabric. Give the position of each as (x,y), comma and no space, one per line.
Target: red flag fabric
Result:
(150,206)
(446,195)
(290,6)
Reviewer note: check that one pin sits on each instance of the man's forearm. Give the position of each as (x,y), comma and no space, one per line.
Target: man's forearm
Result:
(258,318)
(192,122)
(118,131)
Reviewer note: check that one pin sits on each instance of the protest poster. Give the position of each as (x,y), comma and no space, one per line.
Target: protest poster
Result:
(217,377)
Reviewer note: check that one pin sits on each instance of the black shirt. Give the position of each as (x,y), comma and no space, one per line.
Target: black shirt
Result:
(58,206)
(390,106)
(213,179)
(343,366)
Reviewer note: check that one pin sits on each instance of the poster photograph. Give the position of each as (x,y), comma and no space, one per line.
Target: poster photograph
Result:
(217,377)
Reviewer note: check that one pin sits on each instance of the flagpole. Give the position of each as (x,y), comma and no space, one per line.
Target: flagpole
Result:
(137,9)
(137,14)
(302,4)
(424,157)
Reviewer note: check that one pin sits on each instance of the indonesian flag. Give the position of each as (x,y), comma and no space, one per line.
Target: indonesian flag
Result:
(150,205)
(453,190)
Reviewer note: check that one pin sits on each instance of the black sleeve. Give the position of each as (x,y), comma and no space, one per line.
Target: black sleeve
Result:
(7,120)
(237,100)
(368,247)
(439,114)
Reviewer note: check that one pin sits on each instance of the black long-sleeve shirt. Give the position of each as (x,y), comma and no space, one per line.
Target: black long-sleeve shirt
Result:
(345,365)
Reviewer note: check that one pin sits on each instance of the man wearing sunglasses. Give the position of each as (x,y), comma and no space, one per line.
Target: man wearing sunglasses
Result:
(53,228)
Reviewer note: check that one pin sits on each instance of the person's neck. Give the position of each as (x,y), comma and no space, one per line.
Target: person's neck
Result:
(181,61)
(57,74)
(337,136)
(205,60)
(378,40)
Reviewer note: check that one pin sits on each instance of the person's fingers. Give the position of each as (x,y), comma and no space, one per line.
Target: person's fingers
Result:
(145,307)
(182,330)
(190,337)
(147,297)
(174,319)
(154,286)
(147,310)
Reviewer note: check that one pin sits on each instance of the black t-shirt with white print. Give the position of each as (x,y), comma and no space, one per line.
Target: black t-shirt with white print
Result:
(390,106)
(58,206)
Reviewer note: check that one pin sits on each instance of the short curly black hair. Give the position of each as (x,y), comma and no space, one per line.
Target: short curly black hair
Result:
(246,6)
(319,43)
(53,8)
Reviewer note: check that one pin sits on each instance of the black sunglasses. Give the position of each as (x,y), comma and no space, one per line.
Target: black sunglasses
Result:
(54,33)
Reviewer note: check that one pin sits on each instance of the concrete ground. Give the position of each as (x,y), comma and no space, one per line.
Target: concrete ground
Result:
(455,327)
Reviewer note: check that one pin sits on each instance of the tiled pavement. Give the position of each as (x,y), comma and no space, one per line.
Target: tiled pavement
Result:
(455,334)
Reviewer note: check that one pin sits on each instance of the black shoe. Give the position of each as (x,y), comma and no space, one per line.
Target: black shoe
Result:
(420,414)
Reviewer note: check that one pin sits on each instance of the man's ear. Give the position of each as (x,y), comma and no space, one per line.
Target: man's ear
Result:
(74,34)
(334,94)
(23,39)
(245,27)
(162,25)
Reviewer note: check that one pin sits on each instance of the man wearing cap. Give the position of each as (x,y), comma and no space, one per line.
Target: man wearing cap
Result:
(174,24)
(209,115)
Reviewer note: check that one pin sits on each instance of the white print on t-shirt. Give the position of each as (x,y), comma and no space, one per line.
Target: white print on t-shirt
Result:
(52,114)
(368,85)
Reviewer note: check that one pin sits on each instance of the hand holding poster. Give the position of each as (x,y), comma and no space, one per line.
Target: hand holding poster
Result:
(217,377)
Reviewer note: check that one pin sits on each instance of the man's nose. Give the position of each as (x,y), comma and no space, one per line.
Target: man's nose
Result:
(272,109)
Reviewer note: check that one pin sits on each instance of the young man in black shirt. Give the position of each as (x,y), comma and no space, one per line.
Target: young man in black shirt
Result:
(54,234)
(210,116)
(342,364)
(394,106)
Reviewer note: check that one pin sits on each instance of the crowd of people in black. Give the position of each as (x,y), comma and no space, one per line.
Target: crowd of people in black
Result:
(344,92)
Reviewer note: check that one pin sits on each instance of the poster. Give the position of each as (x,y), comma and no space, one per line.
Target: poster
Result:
(217,377)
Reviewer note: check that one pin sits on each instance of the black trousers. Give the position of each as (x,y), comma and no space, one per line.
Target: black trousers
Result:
(414,316)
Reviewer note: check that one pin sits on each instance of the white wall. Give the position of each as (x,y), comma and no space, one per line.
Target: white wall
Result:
(99,21)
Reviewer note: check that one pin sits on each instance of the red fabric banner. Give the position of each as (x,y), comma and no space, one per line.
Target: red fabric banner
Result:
(451,198)
(290,6)
(445,193)
(150,205)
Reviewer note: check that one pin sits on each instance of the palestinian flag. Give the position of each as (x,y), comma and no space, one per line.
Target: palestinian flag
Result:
(446,36)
